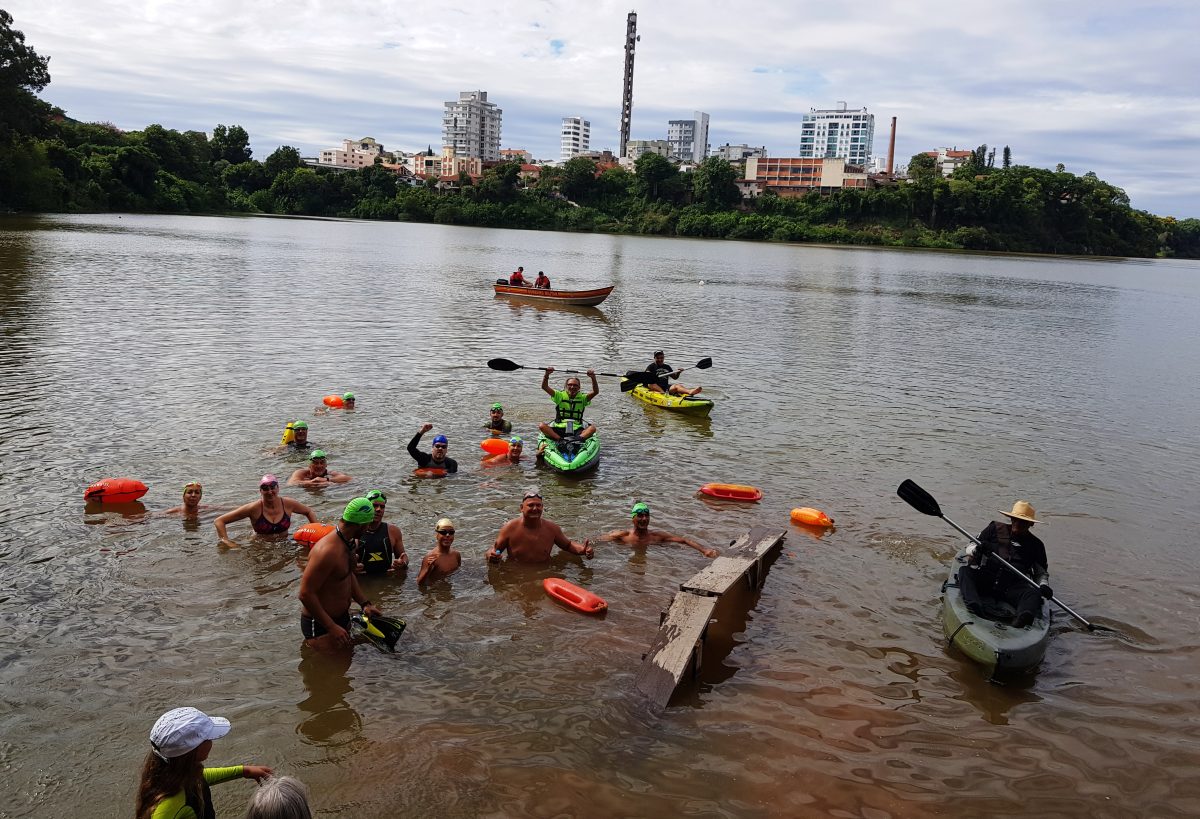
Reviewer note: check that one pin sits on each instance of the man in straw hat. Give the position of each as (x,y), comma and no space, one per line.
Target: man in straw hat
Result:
(982,579)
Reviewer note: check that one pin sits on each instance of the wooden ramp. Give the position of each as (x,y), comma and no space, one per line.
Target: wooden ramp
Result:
(678,647)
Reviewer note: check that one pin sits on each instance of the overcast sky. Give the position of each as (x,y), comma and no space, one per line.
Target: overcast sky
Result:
(1097,85)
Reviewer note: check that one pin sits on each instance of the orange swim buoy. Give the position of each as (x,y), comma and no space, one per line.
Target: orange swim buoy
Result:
(732,491)
(494,446)
(430,472)
(115,490)
(310,533)
(335,401)
(807,516)
(574,597)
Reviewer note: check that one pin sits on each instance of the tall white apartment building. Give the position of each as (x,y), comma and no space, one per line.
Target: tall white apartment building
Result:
(576,137)
(471,126)
(837,133)
(688,138)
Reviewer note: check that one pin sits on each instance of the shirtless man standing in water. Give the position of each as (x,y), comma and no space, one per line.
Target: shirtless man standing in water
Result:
(531,538)
(329,585)
(641,534)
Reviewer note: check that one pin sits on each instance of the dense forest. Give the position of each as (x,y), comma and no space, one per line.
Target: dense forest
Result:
(50,163)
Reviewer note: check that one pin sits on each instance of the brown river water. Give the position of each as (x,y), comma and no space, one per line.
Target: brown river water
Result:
(175,348)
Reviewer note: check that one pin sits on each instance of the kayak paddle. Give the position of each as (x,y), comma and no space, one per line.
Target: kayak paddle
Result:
(926,504)
(506,366)
(644,377)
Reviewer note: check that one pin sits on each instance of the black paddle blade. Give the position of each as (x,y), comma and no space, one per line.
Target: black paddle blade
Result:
(503,364)
(704,364)
(627,385)
(919,499)
(635,377)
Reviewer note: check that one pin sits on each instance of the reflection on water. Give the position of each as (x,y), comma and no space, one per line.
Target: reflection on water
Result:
(330,720)
(174,349)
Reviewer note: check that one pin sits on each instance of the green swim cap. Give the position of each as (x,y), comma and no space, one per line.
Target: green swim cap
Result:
(376,495)
(516,439)
(498,406)
(317,453)
(299,425)
(359,510)
(640,507)
(348,396)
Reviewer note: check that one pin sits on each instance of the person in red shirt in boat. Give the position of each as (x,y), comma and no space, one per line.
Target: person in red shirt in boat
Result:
(542,281)
(517,279)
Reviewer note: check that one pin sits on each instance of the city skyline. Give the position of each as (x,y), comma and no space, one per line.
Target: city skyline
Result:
(1077,89)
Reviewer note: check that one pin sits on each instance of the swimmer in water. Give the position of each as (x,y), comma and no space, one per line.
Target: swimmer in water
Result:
(192,507)
(269,515)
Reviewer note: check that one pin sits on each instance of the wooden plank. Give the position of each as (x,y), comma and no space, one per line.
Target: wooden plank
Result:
(674,647)
(720,575)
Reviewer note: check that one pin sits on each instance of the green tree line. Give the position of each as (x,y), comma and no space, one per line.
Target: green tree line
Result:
(50,163)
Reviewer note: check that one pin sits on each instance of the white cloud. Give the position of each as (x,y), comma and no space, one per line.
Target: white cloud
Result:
(1097,86)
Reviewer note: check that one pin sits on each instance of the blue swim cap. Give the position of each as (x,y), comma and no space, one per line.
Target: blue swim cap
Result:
(441,439)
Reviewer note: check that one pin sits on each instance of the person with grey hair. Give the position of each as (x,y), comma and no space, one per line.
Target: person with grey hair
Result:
(280,797)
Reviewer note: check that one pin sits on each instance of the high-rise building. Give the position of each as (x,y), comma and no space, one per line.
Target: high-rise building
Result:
(576,137)
(689,138)
(837,133)
(471,126)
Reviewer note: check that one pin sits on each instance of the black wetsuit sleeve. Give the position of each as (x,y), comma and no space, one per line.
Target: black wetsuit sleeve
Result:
(451,465)
(422,458)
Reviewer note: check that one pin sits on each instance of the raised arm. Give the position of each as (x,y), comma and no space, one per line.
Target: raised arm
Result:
(417,454)
(546,381)
(595,385)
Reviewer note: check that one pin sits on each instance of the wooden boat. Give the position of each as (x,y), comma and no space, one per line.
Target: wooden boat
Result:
(581,298)
(997,645)
(574,597)
(732,491)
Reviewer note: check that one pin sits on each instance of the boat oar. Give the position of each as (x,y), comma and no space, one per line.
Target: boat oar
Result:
(506,366)
(926,504)
(644,377)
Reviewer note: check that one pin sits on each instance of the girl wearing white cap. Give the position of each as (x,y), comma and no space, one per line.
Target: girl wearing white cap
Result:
(174,781)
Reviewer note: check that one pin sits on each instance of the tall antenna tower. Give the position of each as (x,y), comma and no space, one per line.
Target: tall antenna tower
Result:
(631,40)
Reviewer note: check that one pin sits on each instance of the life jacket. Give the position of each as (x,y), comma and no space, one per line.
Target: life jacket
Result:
(570,409)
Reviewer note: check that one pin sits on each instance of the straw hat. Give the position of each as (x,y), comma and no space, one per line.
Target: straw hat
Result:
(1023,511)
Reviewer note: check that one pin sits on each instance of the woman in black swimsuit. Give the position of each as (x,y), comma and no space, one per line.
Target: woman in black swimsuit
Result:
(269,515)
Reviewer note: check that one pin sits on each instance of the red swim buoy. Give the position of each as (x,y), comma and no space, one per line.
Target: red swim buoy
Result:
(807,516)
(574,597)
(115,490)
(334,401)
(732,491)
(494,446)
(310,533)
(430,472)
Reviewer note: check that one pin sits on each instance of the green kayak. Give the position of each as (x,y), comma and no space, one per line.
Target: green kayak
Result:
(995,644)
(571,454)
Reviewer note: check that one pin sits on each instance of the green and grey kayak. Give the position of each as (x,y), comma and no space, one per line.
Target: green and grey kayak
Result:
(571,454)
(995,644)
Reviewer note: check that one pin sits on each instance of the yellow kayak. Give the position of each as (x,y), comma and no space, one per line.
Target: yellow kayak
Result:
(676,403)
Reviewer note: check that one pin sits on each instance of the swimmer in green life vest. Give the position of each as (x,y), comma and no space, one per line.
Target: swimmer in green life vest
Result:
(569,405)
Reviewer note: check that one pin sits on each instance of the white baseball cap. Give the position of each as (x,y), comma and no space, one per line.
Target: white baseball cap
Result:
(182,730)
